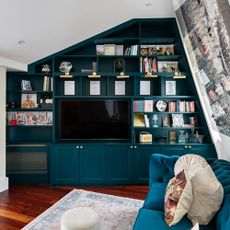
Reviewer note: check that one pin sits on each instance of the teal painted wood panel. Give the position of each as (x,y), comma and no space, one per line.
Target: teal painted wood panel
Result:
(119,165)
(92,164)
(64,165)
(141,162)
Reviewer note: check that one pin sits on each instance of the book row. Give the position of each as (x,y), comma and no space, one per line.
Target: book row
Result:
(29,118)
(149,65)
(163,106)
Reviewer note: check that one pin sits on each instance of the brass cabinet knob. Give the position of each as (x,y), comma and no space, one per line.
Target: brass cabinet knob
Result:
(135,146)
(77,147)
(131,147)
(81,147)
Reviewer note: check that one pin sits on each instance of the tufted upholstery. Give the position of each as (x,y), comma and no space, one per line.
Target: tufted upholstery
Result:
(161,170)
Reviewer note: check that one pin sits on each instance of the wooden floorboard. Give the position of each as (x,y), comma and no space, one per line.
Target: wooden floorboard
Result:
(22,203)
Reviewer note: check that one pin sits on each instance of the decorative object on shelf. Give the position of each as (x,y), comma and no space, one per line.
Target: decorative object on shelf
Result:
(145,87)
(119,65)
(26,85)
(182,137)
(145,137)
(69,87)
(195,137)
(177,120)
(166,121)
(150,75)
(29,101)
(170,88)
(172,136)
(65,67)
(46,69)
(167,66)
(94,75)
(46,101)
(155,121)
(161,105)
(193,121)
(119,88)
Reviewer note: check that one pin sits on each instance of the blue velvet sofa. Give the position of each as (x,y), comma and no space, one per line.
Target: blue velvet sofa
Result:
(151,215)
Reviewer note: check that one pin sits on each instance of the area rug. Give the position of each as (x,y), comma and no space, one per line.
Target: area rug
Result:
(116,213)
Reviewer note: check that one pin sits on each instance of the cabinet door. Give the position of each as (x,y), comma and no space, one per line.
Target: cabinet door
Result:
(141,163)
(205,151)
(174,150)
(119,169)
(64,165)
(92,164)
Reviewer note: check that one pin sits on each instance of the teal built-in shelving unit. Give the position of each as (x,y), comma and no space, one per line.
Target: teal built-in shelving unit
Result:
(37,153)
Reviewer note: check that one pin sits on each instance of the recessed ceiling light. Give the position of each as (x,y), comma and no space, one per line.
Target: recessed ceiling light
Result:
(148,4)
(21,42)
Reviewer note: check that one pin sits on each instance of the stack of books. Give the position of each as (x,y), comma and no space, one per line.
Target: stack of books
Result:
(48,83)
(181,106)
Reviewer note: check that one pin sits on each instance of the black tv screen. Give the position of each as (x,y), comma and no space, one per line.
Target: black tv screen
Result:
(97,119)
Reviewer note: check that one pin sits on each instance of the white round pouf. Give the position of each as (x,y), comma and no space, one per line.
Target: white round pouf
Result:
(81,218)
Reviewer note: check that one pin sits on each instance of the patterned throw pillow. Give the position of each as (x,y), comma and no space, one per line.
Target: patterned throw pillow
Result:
(178,198)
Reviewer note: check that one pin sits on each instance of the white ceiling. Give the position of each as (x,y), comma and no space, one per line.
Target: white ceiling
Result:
(48,26)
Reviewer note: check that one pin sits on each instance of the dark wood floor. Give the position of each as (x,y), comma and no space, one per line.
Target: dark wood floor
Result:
(22,203)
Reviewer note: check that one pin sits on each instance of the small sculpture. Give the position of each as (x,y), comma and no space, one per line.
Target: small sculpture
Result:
(65,67)
(46,68)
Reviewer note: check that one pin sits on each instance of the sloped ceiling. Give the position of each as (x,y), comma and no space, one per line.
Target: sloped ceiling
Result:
(47,26)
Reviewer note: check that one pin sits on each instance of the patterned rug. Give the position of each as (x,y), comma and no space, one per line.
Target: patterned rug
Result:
(116,213)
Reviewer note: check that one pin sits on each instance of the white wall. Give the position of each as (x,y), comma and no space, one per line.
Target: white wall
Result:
(3,178)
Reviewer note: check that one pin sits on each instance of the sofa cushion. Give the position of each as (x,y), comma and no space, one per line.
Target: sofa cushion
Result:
(154,220)
(207,196)
(191,164)
(178,198)
(156,196)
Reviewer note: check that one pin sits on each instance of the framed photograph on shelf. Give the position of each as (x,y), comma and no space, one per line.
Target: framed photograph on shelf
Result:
(26,85)
(29,100)
(170,88)
(167,66)
(177,120)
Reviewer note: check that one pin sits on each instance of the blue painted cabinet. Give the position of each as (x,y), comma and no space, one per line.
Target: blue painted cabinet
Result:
(92,164)
(119,168)
(142,155)
(64,165)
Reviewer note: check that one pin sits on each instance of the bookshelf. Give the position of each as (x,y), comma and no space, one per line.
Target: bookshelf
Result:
(143,46)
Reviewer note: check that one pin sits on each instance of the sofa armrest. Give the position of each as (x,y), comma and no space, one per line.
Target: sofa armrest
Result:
(161,168)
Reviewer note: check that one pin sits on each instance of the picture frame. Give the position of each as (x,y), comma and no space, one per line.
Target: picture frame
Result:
(69,88)
(167,66)
(28,100)
(26,85)
(170,88)
(177,120)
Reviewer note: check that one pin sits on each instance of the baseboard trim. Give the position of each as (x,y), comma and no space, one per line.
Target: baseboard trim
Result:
(4,184)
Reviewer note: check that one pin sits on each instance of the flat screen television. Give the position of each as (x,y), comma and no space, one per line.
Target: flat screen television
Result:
(98,119)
